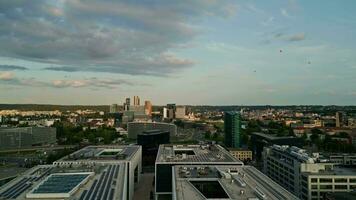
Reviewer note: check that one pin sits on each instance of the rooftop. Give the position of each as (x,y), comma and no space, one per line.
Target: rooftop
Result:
(169,153)
(53,182)
(225,182)
(272,136)
(103,153)
(336,170)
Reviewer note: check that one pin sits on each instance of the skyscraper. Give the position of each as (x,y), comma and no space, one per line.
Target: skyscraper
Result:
(136,101)
(232,123)
(148,108)
(127,104)
(340,119)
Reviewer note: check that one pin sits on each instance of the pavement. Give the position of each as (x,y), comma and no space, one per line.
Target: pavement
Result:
(144,187)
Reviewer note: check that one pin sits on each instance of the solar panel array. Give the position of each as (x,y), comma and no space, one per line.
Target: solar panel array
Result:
(25,183)
(104,187)
(60,183)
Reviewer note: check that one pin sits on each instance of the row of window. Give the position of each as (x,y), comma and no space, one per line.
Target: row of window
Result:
(336,180)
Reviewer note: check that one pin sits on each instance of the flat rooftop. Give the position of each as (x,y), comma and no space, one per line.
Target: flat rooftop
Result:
(170,153)
(103,153)
(337,171)
(272,136)
(54,182)
(201,182)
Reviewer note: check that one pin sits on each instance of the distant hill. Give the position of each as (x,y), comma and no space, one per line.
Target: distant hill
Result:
(48,107)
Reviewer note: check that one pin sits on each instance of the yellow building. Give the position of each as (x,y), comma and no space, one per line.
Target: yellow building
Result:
(241,154)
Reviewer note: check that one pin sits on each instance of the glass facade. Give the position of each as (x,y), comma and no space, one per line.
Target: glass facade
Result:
(232,124)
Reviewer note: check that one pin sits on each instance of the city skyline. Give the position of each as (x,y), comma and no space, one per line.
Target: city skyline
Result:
(188,52)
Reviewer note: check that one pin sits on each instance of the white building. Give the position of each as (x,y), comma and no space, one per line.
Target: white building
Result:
(171,155)
(200,182)
(94,172)
(296,170)
(180,112)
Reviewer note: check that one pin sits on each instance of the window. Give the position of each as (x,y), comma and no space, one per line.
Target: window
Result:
(314,187)
(340,180)
(314,180)
(325,187)
(340,187)
(352,180)
(325,180)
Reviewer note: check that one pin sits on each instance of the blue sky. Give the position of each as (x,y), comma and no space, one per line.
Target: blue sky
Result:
(217,52)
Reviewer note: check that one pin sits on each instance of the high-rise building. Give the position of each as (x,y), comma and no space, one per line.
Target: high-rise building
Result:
(148,108)
(340,119)
(127,104)
(165,113)
(232,124)
(136,101)
(180,112)
(308,176)
(114,108)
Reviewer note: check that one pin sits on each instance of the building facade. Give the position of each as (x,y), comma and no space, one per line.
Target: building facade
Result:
(170,155)
(26,137)
(135,128)
(241,154)
(232,125)
(307,176)
(180,112)
(136,100)
(114,108)
(148,108)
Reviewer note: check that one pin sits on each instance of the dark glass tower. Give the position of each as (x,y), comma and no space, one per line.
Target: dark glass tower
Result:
(232,124)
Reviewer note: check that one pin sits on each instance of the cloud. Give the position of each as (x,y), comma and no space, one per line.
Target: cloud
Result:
(128,37)
(9,78)
(6,76)
(296,37)
(284,12)
(11,67)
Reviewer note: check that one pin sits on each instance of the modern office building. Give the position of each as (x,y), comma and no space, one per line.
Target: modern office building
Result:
(95,172)
(180,112)
(170,155)
(130,156)
(136,101)
(241,154)
(150,141)
(135,128)
(127,104)
(105,181)
(148,108)
(200,182)
(340,119)
(342,159)
(261,140)
(232,126)
(306,175)
(26,137)
(114,108)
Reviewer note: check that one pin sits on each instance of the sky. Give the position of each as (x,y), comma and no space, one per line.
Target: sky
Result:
(211,52)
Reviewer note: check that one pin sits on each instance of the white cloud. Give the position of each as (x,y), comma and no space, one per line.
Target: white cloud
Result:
(128,37)
(284,12)
(6,76)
